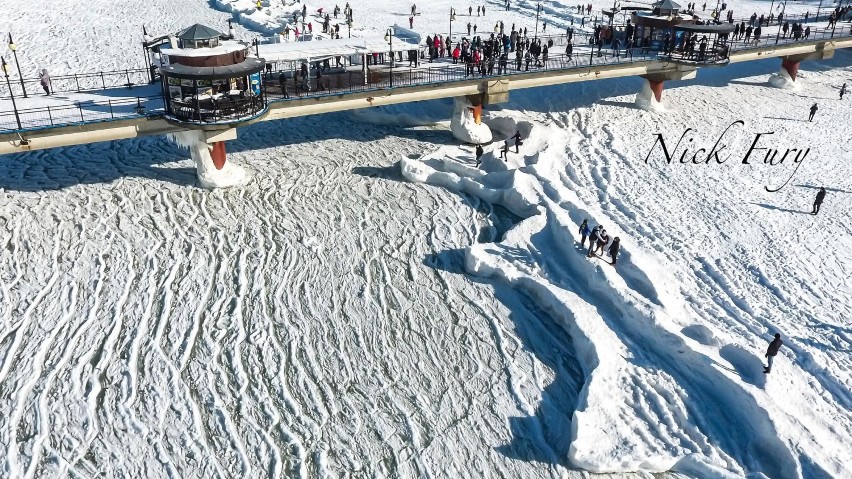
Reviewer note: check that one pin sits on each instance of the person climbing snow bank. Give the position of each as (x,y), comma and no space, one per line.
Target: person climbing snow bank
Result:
(771,351)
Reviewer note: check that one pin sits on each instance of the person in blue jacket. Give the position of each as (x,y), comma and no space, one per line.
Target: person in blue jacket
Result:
(584,232)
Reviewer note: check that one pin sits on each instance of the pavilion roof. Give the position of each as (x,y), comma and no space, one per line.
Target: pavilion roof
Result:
(198,32)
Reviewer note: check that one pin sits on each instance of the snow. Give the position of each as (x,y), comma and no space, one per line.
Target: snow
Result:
(335,316)
(782,79)
(464,125)
(662,390)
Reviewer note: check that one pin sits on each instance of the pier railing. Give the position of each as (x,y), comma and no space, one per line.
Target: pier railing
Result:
(78,82)
(81,113)
(377,78)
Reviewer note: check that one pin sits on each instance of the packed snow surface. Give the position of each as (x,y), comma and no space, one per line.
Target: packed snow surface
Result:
(369,304)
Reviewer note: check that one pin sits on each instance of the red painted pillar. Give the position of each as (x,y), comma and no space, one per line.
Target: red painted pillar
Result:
(657,88)
(791,66)
(218,154)
(477,114)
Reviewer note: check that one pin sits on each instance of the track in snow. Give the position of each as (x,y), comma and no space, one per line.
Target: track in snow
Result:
(312,322)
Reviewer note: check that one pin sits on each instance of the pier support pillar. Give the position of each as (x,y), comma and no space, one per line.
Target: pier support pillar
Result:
(657,88)
(466,123)
(207,149)
(791,66)
(786,76)
(651,95)
(217,154)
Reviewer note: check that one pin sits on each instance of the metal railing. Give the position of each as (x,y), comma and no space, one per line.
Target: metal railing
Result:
(216,110)
(377,78)
(81,113)
(79,82)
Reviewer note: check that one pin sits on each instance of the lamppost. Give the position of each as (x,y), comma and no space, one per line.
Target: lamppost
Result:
(818,8)
(389,40)
(12,94)
(452,19)
(14,49)
(784,9)
(349,27)
(614,6)
(537,10)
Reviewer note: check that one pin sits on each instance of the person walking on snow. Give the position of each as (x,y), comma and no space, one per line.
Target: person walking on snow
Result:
(613,249)
(504,152)
(842,91)
(518,142)
(45,81)
(593,240)
(479,153)
(818,201)
(584,233)
(814,109)
(771,351)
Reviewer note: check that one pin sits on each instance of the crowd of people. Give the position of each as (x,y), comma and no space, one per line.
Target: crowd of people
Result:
(599,241)
(497,51)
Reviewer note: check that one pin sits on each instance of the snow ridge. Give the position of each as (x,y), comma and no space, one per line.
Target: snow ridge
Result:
(620,323)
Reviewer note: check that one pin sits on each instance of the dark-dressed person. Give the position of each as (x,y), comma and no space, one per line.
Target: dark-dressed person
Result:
(771,351)
(614,248)
(818,201)
(518,142)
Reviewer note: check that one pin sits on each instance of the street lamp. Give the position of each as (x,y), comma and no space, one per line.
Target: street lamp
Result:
(452,19)
(389,40)
(614,6)
(14,106)
(818,8)
(779,23)
(537,10)
(349,27)
(14,49)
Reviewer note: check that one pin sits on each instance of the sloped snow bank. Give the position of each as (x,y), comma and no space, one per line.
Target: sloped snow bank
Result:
(659,407)
(602,440)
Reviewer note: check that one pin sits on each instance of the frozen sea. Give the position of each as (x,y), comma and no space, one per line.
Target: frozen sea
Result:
(371,305)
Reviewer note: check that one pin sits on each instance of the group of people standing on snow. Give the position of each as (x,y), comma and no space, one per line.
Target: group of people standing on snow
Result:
(598,241)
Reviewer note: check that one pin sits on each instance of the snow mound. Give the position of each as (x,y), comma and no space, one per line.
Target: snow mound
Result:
(645,98)
(783,80)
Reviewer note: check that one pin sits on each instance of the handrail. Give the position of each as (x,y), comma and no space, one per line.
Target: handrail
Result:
(376,79)
(79,82)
